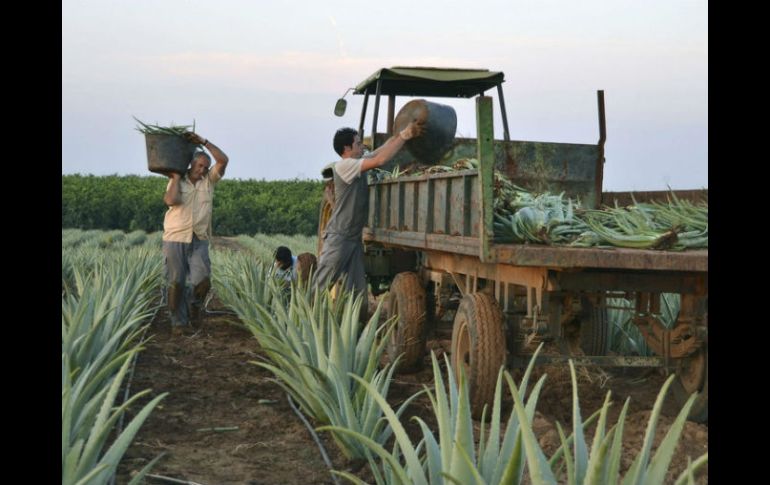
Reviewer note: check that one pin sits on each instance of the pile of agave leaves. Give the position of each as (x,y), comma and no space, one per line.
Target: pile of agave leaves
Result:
(522,216)
(149,129)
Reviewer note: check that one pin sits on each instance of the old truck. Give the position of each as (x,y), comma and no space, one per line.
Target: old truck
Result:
(430,243)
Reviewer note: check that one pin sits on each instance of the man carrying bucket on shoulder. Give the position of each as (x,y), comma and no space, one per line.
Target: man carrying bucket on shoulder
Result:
(187,230)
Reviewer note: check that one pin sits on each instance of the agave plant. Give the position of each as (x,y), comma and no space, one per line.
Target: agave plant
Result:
(241,284)
(322,348)
(602,464)
(313,343)
(88,420)
(452,458)
(104,312)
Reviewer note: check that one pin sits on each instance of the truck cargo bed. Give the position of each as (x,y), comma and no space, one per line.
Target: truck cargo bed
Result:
(441,212)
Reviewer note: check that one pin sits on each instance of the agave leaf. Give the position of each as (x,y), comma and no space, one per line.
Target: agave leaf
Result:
(540,472)
(688,475)
(656,472)
(613,470)
(569,462)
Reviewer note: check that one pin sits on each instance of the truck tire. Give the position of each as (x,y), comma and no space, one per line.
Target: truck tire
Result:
(406,299)
(594,329)
(692,375)
(478,347)
(325,213)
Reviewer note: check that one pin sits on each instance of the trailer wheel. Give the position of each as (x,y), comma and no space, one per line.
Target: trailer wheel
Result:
(325,213)
(692,375)
(594,329)
(478,347)
(407,300)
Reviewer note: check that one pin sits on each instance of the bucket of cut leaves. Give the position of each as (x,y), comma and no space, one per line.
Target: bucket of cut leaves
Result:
(439,125)
(167,148)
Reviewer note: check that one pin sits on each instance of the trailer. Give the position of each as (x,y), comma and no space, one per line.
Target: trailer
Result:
(430,244)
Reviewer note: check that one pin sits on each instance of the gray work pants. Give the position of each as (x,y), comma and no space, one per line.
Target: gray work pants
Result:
(185,262)
(342,257)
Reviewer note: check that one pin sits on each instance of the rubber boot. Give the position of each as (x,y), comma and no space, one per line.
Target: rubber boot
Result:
(197,311)
(176,305)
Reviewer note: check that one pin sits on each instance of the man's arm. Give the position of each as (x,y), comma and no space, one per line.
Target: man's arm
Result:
(219,156)
(173,196)
(389,149)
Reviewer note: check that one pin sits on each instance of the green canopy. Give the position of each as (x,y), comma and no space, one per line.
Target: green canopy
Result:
(431,81)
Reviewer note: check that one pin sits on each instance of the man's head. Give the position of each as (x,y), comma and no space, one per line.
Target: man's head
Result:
(348,144)
(199,166)
(283,257)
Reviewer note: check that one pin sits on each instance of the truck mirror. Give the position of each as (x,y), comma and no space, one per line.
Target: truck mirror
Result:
(339,108)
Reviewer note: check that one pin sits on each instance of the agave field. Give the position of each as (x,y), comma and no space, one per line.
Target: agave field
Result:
(276,390)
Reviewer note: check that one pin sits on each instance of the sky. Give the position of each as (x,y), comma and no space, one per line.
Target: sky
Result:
(260,78)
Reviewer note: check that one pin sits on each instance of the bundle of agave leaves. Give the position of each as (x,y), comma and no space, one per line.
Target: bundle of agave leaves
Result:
(178,130)
(521,216)
(455,458)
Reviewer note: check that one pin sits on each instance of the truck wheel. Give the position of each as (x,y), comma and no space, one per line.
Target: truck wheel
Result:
(692,375)
(407,300)
(594,329)
(325,213)
(478,347)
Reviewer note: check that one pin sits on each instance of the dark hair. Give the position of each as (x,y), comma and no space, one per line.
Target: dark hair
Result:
(344,138)
(283,256)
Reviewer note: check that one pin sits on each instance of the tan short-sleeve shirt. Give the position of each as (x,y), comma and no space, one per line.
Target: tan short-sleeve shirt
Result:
(194,213)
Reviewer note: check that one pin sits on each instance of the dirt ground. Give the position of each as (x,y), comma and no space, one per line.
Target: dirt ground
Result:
(225,421)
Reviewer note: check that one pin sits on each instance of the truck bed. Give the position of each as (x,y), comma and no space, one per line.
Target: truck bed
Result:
(441,212)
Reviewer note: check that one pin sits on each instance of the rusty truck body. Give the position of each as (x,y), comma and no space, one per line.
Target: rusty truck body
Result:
(430,243)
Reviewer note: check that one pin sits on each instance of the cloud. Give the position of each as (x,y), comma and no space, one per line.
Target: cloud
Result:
(287,71)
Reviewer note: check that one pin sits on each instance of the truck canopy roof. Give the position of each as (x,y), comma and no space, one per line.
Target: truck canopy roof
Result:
(431,81)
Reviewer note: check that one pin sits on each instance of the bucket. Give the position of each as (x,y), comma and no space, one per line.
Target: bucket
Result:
(439,129)
(168,153)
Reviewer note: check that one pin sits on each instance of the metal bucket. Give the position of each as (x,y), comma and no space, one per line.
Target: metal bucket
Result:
(168,153)
(440,126)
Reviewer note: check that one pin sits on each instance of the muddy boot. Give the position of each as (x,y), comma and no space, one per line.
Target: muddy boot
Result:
(176,305)
(197,310)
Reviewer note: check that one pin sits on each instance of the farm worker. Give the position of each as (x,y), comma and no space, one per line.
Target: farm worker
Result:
(342,254)
(187,230)
(285,266)
(288,267)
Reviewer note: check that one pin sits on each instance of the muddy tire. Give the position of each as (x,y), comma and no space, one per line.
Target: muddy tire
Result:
(478,347)
(692,375)
(325,213)
(406,299)
(594,329)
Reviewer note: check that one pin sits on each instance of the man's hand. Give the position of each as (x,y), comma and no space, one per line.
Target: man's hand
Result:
(194,138)
(412,130)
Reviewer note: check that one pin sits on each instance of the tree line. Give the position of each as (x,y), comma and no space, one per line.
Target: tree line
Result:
(134,202)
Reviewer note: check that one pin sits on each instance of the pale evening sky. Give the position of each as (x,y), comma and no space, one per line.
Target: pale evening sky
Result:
(260,78)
